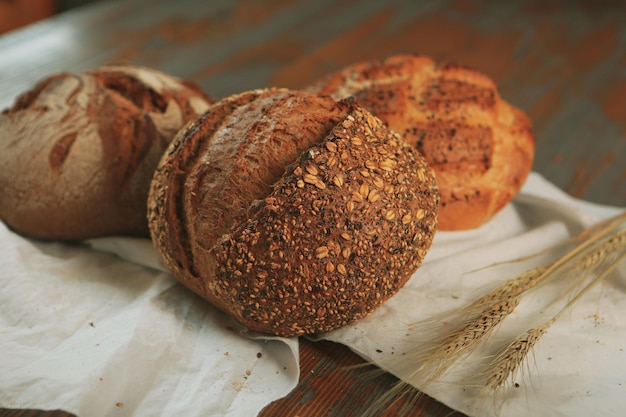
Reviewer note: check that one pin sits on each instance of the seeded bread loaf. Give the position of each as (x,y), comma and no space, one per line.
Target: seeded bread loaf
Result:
(78,151)
(481,147)
(291,212)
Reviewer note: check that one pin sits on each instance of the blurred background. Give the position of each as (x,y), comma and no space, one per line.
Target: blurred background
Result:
(561,61)
(18,13)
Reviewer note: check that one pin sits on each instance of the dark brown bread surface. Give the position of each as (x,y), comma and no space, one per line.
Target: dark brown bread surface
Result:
(291,212)
(78,151)
(481,148)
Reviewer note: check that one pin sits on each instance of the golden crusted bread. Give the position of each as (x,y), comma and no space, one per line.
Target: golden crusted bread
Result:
(78,151)
(481,147)
(291,212)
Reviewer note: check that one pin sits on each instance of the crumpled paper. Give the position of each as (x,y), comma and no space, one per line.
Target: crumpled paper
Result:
(90,333)
(101,329)
(578,368)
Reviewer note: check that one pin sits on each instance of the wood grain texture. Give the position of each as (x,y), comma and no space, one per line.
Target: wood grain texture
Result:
(563,62)
(336,382)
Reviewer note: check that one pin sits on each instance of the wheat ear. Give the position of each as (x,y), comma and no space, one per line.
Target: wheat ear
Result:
(439,357)
(480,319)
(506,363)
(530,278)
(482,316)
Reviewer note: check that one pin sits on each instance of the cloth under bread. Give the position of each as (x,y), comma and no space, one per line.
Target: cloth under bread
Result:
(84,331)
(97,334)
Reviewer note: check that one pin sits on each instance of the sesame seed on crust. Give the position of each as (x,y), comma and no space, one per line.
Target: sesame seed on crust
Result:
(306,256)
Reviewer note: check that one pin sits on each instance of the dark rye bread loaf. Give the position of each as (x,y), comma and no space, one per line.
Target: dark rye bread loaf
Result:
(78,151)
(481,147)
(291,212)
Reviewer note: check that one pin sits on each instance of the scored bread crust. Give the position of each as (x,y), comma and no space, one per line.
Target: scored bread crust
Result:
(481,147)
(78,151)
(293,213)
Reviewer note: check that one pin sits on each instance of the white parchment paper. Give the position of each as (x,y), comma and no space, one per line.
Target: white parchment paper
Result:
(101,329)
(88,332)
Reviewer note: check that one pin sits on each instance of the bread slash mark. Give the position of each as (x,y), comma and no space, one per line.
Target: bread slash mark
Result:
(61,150)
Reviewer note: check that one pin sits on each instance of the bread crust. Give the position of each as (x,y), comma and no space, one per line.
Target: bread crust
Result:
(342,214)
(78,151)
(481,147)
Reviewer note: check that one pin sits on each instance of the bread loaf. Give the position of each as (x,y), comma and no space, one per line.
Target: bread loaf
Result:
(78,151)
(291,212)
(480,147)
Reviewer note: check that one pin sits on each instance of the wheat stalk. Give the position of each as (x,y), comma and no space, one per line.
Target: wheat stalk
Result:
(398,391)
(529,279)
(455,344)
(602,228)
(481,317)
(506,363)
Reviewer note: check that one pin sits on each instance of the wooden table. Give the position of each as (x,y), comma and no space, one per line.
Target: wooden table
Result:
(563,62)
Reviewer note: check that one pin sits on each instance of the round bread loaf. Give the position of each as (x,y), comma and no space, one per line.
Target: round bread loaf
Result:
(292,212)
(481,147)
(78,151)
